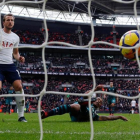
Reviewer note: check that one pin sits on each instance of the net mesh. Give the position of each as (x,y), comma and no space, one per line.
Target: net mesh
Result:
(91,42)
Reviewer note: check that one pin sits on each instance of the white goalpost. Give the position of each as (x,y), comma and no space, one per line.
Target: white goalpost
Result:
(91,42)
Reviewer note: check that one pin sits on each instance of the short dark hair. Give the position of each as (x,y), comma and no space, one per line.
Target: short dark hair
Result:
(7,15)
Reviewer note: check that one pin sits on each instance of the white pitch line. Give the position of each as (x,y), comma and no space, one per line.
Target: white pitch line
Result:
(71,133)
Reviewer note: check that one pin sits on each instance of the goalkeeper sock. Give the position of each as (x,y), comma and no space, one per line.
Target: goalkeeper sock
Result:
(20,101)
(59,110)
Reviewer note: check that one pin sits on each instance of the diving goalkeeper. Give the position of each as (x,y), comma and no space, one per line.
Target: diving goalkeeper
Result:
(79,111)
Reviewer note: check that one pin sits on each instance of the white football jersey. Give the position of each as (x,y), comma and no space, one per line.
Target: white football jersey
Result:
(133,103)
(9,41)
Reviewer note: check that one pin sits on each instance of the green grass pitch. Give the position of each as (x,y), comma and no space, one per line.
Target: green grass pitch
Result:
(61,128)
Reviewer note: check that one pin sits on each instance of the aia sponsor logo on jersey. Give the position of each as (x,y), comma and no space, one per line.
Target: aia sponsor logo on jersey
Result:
(7,44)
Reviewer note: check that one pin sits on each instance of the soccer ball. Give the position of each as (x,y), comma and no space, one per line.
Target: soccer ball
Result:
(129,39)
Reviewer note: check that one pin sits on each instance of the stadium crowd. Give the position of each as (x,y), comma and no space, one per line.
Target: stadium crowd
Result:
(37,38)
(78,64)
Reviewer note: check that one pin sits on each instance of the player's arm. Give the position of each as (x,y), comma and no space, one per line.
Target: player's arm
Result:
(99,87)
(117,98)
(111,118)
(131,103)
(17,55)
(85,101)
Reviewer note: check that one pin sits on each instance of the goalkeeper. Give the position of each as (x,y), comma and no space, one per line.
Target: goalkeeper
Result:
(79,111)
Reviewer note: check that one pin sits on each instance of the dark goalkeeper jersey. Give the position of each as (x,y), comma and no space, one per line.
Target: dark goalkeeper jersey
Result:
(83,114)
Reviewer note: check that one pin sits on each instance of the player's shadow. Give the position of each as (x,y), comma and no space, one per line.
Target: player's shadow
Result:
(56,121)
(65,121)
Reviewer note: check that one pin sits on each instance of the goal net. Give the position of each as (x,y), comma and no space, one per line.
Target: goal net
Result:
(89,45)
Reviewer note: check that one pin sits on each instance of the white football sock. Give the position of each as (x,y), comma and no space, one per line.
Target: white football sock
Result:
(20,103)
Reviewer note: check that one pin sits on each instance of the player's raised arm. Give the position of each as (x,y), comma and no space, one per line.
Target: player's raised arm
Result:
(99,87)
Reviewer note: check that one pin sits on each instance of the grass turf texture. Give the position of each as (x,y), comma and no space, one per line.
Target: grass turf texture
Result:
(61,128)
